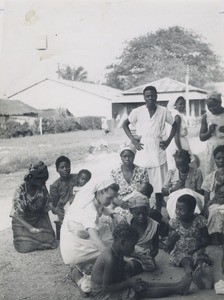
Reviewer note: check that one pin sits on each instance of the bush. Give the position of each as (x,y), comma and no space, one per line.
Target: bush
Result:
(90,122)
(15,129)
(57,124)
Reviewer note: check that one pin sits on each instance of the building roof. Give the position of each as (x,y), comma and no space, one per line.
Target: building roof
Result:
(138,98)
(80,98)
(165,85)
(168,90)
(102,91)
(15,107)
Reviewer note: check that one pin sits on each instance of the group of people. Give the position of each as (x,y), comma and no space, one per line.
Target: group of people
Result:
(109,229)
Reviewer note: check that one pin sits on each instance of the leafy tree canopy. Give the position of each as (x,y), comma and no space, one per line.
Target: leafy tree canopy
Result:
(72,73)
(165,53)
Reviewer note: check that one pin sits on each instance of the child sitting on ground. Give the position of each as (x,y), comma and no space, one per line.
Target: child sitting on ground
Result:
(147,246)
(187,240)
(61,191)
(111,281)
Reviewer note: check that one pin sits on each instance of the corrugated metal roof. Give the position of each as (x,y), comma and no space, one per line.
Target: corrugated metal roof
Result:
(161,97)
(15,107)
(164,85)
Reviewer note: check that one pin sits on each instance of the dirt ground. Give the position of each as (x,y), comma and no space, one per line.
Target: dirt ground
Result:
(42,275)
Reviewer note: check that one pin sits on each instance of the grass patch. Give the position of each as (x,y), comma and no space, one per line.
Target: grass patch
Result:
(18,153)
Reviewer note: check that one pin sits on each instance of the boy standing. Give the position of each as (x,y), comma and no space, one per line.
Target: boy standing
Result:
(150,120)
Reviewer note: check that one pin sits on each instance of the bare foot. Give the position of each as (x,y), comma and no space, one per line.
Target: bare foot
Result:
(75,274)
(184,285)
(207,276)
(197,278)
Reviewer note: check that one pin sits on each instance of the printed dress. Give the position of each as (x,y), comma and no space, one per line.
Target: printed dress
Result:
(190,239)
(32,210)
(215,140)
(216,211)
(61,192)
(140,175)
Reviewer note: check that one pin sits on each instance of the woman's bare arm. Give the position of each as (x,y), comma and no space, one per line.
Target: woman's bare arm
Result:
(26,224)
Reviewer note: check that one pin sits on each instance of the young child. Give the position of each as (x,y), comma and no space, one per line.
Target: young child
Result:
(111,281)
(144,190)
(147,246)
(189,236)
(143,193)
(83,177)
(61,191)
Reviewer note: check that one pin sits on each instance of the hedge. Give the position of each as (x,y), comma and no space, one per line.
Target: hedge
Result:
(55,124)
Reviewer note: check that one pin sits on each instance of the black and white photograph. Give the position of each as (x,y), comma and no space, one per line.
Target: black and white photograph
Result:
(111,149)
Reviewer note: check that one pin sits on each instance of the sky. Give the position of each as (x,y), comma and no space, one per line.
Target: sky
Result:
(91,33)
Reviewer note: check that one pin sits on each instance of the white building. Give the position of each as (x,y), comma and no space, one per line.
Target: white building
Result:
(80,98)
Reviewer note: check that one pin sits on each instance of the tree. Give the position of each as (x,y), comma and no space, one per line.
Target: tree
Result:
(165,53)
(72,73)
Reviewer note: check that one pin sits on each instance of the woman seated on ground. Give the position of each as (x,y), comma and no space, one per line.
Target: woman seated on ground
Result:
(147,246)
(213,186)
(31,225)
(129,176)
(183,180)
(80,241)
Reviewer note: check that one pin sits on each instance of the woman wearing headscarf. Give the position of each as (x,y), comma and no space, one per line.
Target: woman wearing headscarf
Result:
(80,240)
(31,225)
(212,129)
(129,176)
(147,246)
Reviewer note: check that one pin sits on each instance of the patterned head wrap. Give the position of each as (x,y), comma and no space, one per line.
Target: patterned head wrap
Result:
(37,171)
(129,147)
(138,200)
(214,95)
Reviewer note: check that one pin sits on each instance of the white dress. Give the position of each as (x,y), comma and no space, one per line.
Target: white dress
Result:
(183,140)
(74,248)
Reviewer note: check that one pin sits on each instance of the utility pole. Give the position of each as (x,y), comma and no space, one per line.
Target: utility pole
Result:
(58,71)
(187,95)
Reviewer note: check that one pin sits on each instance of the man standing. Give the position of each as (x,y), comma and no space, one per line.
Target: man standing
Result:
(150,120)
